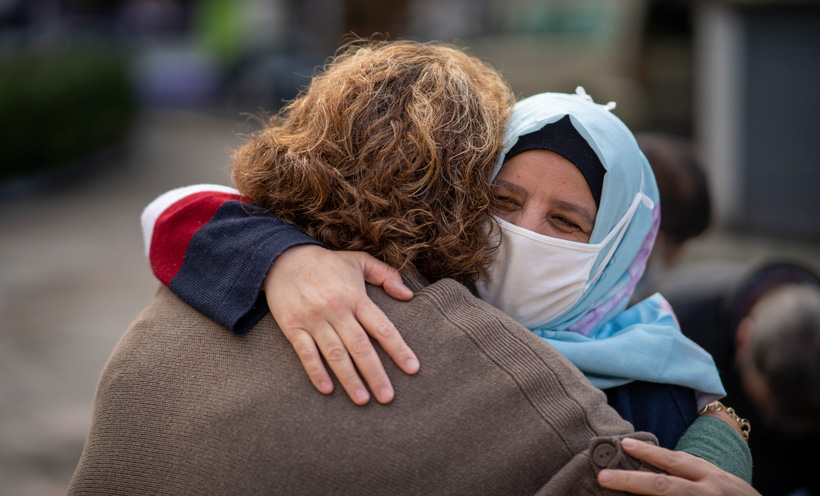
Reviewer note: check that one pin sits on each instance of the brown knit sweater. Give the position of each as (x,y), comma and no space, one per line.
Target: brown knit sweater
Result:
(185,408)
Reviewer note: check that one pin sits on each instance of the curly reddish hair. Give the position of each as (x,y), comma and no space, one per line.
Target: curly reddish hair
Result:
(388,151)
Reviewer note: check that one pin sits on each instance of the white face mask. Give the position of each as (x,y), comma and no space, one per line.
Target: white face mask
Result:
(536,278)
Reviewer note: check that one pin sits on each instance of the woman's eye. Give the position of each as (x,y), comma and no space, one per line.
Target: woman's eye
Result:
(505,202)
(567,223)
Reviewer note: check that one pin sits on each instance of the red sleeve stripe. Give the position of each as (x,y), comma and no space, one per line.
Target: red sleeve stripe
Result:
(176,226)
(161,203)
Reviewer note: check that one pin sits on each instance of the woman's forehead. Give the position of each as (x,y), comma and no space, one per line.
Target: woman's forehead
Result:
(627,172)
(548,178)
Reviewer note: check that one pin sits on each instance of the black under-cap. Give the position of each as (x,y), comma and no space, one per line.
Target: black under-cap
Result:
(562,138)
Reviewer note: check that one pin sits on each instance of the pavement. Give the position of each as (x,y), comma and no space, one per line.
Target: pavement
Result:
(73,276)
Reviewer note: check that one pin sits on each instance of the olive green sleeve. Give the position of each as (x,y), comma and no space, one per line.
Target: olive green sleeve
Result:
(718,443)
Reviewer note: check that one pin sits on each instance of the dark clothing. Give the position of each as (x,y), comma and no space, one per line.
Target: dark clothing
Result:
(664,410)
(214,249)
(710,316)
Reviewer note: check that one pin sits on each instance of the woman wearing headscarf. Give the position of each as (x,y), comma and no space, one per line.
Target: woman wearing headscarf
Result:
(576,228)
(578,214)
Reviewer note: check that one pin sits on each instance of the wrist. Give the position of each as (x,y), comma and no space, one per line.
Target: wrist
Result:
(284,259)
(728,415)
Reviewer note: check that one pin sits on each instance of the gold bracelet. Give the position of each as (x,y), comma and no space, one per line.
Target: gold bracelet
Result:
(745,425)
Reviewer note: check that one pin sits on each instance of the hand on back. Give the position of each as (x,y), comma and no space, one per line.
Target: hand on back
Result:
(318,298)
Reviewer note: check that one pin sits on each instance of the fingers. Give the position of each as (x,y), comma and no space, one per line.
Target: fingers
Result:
(335,350)
(380,274)
(318,298)
(375,322)
(688,475)
(636,482)
(308,354)
(675,462)
(367,361)
(329,344)
(377,325)
(351,357)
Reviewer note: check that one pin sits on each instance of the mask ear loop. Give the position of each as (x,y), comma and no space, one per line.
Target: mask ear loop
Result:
(620,229)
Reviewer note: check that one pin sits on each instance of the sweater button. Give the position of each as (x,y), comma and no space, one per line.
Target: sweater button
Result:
(603,454)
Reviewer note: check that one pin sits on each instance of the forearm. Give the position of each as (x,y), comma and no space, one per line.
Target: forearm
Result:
(718,442)
(213,249)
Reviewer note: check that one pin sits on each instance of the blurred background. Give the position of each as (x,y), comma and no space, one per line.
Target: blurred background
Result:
(106,104)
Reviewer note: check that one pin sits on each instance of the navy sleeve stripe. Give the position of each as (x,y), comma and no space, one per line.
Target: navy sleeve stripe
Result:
(227,261)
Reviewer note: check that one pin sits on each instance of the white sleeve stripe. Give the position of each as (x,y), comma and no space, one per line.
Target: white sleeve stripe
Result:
(154,209)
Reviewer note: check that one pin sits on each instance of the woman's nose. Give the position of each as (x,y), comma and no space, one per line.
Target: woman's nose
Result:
(527,218)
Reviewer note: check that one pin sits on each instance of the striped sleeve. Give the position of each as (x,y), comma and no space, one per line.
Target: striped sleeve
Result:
(213,249)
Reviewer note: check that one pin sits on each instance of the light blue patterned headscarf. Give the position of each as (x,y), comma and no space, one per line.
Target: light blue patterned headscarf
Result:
(613,345)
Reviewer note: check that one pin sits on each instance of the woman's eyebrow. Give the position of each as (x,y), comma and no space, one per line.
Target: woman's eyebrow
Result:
(514,188)
(578,209)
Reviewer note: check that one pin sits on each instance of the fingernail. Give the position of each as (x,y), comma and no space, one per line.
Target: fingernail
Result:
(606,476)
(360,395)
(412,364)
(628,442)
(326,387)
(385,394)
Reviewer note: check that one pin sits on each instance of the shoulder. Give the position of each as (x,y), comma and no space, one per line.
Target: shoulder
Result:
(451,329)
(451,308)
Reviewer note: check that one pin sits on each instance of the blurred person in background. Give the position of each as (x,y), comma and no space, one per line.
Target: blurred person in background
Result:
(685,201)
(762,326)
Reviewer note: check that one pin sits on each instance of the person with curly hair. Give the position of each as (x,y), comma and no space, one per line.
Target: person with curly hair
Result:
(351,161)
(182,408)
